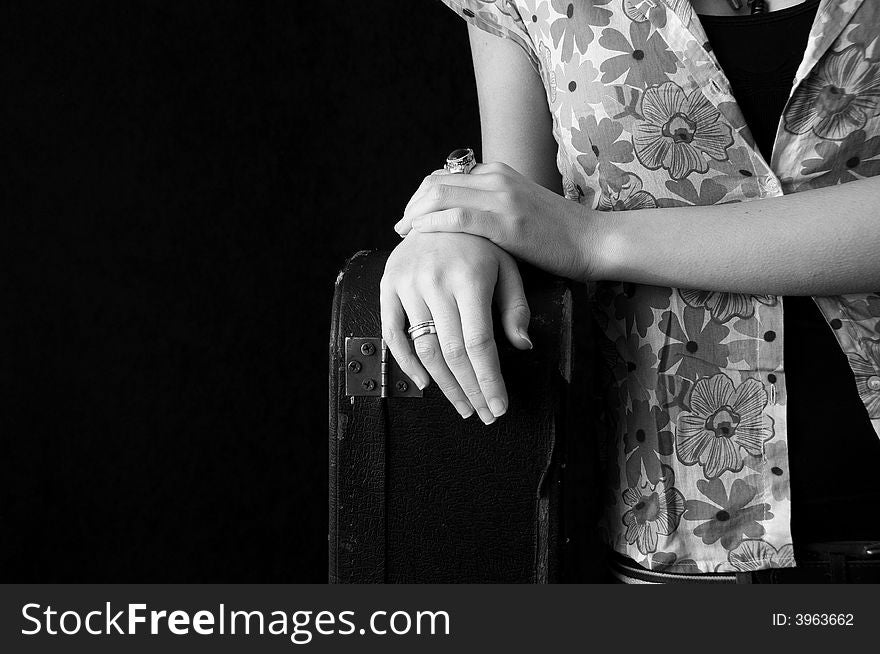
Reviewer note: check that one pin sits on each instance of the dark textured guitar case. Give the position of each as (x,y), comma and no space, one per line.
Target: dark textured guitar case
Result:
(419,495)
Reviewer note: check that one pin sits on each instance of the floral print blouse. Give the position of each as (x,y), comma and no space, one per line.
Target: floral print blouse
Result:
(693,415)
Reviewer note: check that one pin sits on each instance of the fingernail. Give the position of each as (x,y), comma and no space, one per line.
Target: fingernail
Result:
(485,415)
(421,384)
(464,409)
(497,406)
(522,334)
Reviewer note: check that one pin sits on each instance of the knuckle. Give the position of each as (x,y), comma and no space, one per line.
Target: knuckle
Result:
(425,349)
(479,342)
(506,197)
(461,279)
(390,336)
(462,270)
(432,280)
(406,363)
(450,389)
(436,193)
(521,310)
(499,181)
(518,225)
(459,218)
(454,352)
(490,377)
(501,168)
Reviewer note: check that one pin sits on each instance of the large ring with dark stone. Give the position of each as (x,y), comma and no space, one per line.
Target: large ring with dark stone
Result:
(460,161)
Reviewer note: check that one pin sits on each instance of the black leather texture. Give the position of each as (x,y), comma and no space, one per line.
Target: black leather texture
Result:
(419,495)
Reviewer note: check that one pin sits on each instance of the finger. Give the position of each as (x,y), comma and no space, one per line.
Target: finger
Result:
(397,340)
(487,175)
(428,350)
(478,223)
(492,167)
(427,181)
(485,181)
(479,341)
(441,196)
(449,332)
(512,304)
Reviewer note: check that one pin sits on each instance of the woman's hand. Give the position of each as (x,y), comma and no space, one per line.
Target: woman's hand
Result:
(451,279)
(520,216)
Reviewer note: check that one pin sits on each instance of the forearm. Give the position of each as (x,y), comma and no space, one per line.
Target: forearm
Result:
(819,242)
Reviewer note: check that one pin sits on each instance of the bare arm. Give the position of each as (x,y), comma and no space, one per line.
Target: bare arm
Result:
(817,242)
(514,117)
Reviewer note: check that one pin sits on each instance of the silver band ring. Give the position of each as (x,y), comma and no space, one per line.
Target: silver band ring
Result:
(460,161)
(422,331)
(419,325)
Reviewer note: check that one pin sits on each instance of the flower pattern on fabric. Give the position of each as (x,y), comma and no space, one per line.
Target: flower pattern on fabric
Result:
(843,161)
(737,172)
(865,308)
(654,510)
(644,57)
(538,13)
(838,97)
(635,305)
(724,306)
(600,144)
(711,192)
(867,372)
(723,423)
(579,86)
(625,193)
(752,555)
(574,29)
(760,330)
(694,346)
(679,131)
(664,130)
(729,518)
(646,438)
(775,460)
(640,365)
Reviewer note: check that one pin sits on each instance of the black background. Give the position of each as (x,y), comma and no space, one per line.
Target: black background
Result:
(184,181)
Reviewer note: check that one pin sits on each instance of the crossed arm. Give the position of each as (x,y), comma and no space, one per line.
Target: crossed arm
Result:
(819,242)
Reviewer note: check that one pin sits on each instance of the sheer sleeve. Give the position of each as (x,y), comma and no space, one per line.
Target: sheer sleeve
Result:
(498,17)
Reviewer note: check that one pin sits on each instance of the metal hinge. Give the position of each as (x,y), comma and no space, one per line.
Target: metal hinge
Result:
(371,371)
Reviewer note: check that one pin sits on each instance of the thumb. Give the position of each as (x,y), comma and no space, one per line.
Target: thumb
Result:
(511,300)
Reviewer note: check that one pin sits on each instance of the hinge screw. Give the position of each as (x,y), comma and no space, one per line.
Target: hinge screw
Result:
(354,366)
(369,384)
(368,349)
(402,386)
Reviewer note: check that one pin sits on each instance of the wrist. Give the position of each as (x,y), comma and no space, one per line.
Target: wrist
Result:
(597,243)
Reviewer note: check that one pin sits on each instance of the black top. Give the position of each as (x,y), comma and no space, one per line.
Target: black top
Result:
(833,450)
